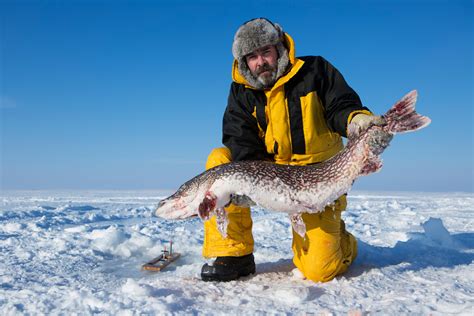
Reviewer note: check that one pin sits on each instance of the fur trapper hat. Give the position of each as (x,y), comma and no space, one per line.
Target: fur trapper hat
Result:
(255,34)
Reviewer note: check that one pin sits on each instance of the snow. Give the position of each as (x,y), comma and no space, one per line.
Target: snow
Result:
(81,253)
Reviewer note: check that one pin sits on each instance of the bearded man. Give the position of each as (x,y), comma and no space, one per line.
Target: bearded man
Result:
(292,111)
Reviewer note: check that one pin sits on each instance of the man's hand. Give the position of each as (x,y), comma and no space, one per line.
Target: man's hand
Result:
(363,121)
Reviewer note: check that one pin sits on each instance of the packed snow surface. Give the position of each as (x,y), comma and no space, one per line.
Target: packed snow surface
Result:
(81,253)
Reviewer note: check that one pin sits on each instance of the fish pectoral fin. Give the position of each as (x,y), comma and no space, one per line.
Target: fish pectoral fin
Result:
(222,221)
(298,224)
(207,209)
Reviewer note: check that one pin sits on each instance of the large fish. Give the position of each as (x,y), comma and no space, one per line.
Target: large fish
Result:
(292,189)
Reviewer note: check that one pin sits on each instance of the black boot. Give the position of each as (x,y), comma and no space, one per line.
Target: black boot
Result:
(228,268)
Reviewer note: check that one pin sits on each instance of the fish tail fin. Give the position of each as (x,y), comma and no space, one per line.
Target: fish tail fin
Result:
(402,117)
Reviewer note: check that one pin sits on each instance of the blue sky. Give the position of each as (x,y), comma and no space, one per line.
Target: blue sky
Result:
(130,95)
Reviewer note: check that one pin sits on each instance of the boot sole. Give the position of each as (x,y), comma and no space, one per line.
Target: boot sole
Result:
(209,278)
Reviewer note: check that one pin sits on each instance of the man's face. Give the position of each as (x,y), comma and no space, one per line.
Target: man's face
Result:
(263,64)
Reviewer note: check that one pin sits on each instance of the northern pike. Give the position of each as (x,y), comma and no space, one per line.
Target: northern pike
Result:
(292,189)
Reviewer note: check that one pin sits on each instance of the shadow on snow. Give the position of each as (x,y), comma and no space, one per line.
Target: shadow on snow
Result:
(419,252)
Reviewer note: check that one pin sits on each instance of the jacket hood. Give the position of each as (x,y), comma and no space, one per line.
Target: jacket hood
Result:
(238,77)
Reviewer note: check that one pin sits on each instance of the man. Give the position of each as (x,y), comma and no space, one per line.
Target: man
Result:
(291,111)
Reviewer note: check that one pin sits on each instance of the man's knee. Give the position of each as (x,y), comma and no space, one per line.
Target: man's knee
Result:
(325,263)
(321,261)
(322,271)
(218,156)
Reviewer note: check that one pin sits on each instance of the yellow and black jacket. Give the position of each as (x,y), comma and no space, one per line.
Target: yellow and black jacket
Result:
(299,121)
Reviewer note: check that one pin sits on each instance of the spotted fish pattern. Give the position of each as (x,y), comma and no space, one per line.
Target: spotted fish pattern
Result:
(292,189)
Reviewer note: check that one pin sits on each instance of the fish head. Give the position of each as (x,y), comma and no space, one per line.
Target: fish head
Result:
(176,207)
(185,202)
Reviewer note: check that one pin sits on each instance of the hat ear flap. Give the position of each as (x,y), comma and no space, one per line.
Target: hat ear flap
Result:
(283,59)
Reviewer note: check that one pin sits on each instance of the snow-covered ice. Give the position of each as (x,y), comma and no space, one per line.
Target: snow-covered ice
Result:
(81,253)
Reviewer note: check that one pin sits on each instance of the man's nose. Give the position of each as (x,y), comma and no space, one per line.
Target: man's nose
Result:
(260,60)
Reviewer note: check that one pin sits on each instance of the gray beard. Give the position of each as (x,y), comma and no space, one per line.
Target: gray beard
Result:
(267,81)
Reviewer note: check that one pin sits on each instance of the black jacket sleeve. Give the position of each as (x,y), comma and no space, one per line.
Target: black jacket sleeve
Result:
(240,129)
(339,99)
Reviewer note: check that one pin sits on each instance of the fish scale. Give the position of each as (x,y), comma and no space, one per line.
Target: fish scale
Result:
(292,189)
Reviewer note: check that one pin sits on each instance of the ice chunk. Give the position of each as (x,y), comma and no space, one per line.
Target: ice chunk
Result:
(436,232)
(291,295)
(12,227)
(297,274)
(105,240)
(131,287)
